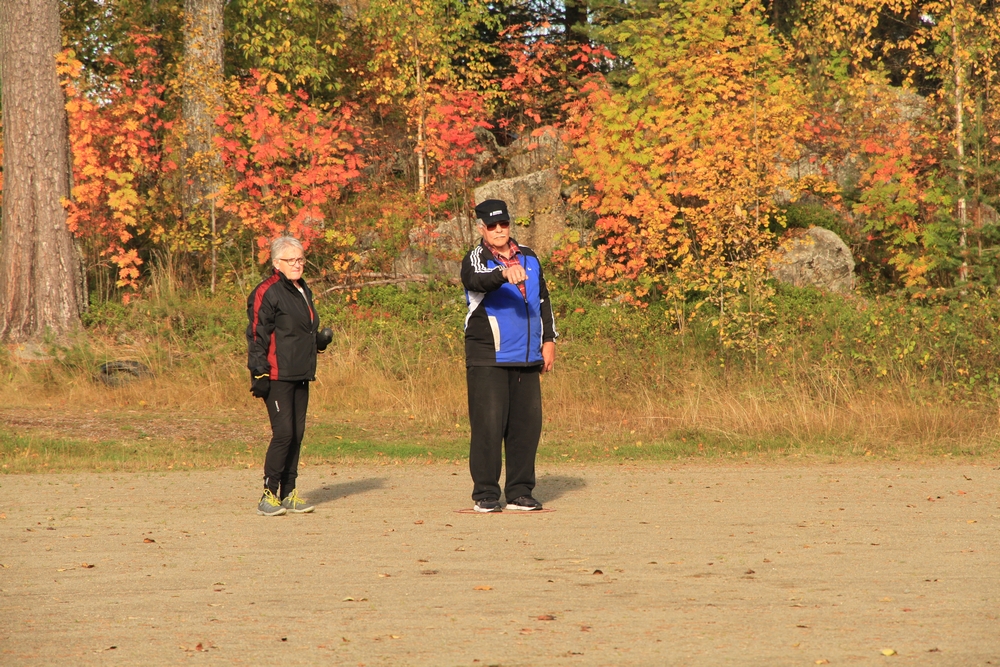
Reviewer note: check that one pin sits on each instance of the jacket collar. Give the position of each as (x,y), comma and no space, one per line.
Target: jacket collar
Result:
(283,278)
(515,249)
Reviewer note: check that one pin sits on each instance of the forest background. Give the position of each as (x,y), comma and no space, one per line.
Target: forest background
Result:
(699,134)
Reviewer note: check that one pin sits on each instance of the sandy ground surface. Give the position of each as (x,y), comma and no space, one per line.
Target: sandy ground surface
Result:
(637,565)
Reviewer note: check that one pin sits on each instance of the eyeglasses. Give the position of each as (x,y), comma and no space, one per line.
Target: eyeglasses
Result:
(504,224)
(295,261)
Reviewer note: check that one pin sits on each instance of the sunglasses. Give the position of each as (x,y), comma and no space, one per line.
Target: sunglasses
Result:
(504,224)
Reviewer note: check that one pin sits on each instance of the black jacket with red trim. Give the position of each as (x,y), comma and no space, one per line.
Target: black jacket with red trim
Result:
(281,333)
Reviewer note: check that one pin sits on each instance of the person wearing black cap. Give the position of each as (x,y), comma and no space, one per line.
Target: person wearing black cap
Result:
(509,341)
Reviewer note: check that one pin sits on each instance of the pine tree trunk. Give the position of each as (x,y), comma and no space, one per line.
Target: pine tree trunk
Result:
(575,20)
(39,266)
(202,101)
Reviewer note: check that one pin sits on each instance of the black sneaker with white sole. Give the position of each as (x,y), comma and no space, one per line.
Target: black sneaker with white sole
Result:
(488,505)
(524,504)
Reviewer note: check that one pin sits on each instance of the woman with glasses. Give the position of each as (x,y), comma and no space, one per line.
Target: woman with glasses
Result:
(509,341)
(283,338)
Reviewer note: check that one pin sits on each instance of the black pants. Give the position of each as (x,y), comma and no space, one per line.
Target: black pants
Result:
(286,407)
(505,406)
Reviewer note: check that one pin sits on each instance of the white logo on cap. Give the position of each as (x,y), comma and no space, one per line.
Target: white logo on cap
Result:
(495,212)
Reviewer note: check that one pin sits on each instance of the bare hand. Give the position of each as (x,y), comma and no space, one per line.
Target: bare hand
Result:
(515,275)
(548,356)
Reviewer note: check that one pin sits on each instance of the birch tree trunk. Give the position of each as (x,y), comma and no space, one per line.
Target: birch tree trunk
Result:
(963,270)
(39,265)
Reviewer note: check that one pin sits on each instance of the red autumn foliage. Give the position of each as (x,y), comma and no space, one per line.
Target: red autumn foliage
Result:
(451,139)
(289,160)
(119,157)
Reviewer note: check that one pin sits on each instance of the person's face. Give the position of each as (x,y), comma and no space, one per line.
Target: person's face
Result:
(498,236)
(291,262)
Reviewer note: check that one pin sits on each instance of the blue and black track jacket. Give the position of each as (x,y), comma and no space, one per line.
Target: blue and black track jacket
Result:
(502,327)
(281,330)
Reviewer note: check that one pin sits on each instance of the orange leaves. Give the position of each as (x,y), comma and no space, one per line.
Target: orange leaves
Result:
(118,155)
(451,120)
(681,166)
(534,84)
(289,160)
(900,201)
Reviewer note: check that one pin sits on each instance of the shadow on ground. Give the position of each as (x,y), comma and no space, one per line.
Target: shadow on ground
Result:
(552,487)
(331,492)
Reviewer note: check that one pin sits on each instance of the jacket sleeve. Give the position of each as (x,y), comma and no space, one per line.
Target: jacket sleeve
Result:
(477,276)
(260,326)
(549,332)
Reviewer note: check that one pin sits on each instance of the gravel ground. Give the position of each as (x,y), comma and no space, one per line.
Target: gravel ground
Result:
(689,564)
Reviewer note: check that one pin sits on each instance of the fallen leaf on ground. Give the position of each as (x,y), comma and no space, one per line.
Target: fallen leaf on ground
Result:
(822,661)
(384,575)
(482,588)
(888,651)
(971,521)
(148,540)
(598,572)
(546,617)
(418,521)
(348,600)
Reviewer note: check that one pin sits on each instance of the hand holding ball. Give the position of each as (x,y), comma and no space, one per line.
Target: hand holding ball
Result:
(323,339)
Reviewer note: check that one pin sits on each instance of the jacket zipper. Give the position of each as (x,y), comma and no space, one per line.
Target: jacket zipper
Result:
(527,318)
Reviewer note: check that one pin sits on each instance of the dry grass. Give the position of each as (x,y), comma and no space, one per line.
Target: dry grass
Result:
(392,387)
(393,401)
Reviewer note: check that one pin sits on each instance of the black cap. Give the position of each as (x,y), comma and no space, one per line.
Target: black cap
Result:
(492,210)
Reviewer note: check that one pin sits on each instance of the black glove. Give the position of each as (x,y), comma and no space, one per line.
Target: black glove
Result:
(261,386)
(323,338)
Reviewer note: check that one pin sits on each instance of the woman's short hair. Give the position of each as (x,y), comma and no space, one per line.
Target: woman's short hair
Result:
(279,244)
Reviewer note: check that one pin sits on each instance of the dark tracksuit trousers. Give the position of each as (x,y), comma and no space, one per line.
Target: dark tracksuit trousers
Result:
(505,407)
(286,407)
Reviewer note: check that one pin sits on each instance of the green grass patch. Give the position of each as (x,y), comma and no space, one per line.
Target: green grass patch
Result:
(36,453)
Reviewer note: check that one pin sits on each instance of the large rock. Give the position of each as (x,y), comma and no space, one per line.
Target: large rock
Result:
(816,257)
(535,204)
(544,150)
(439,251)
